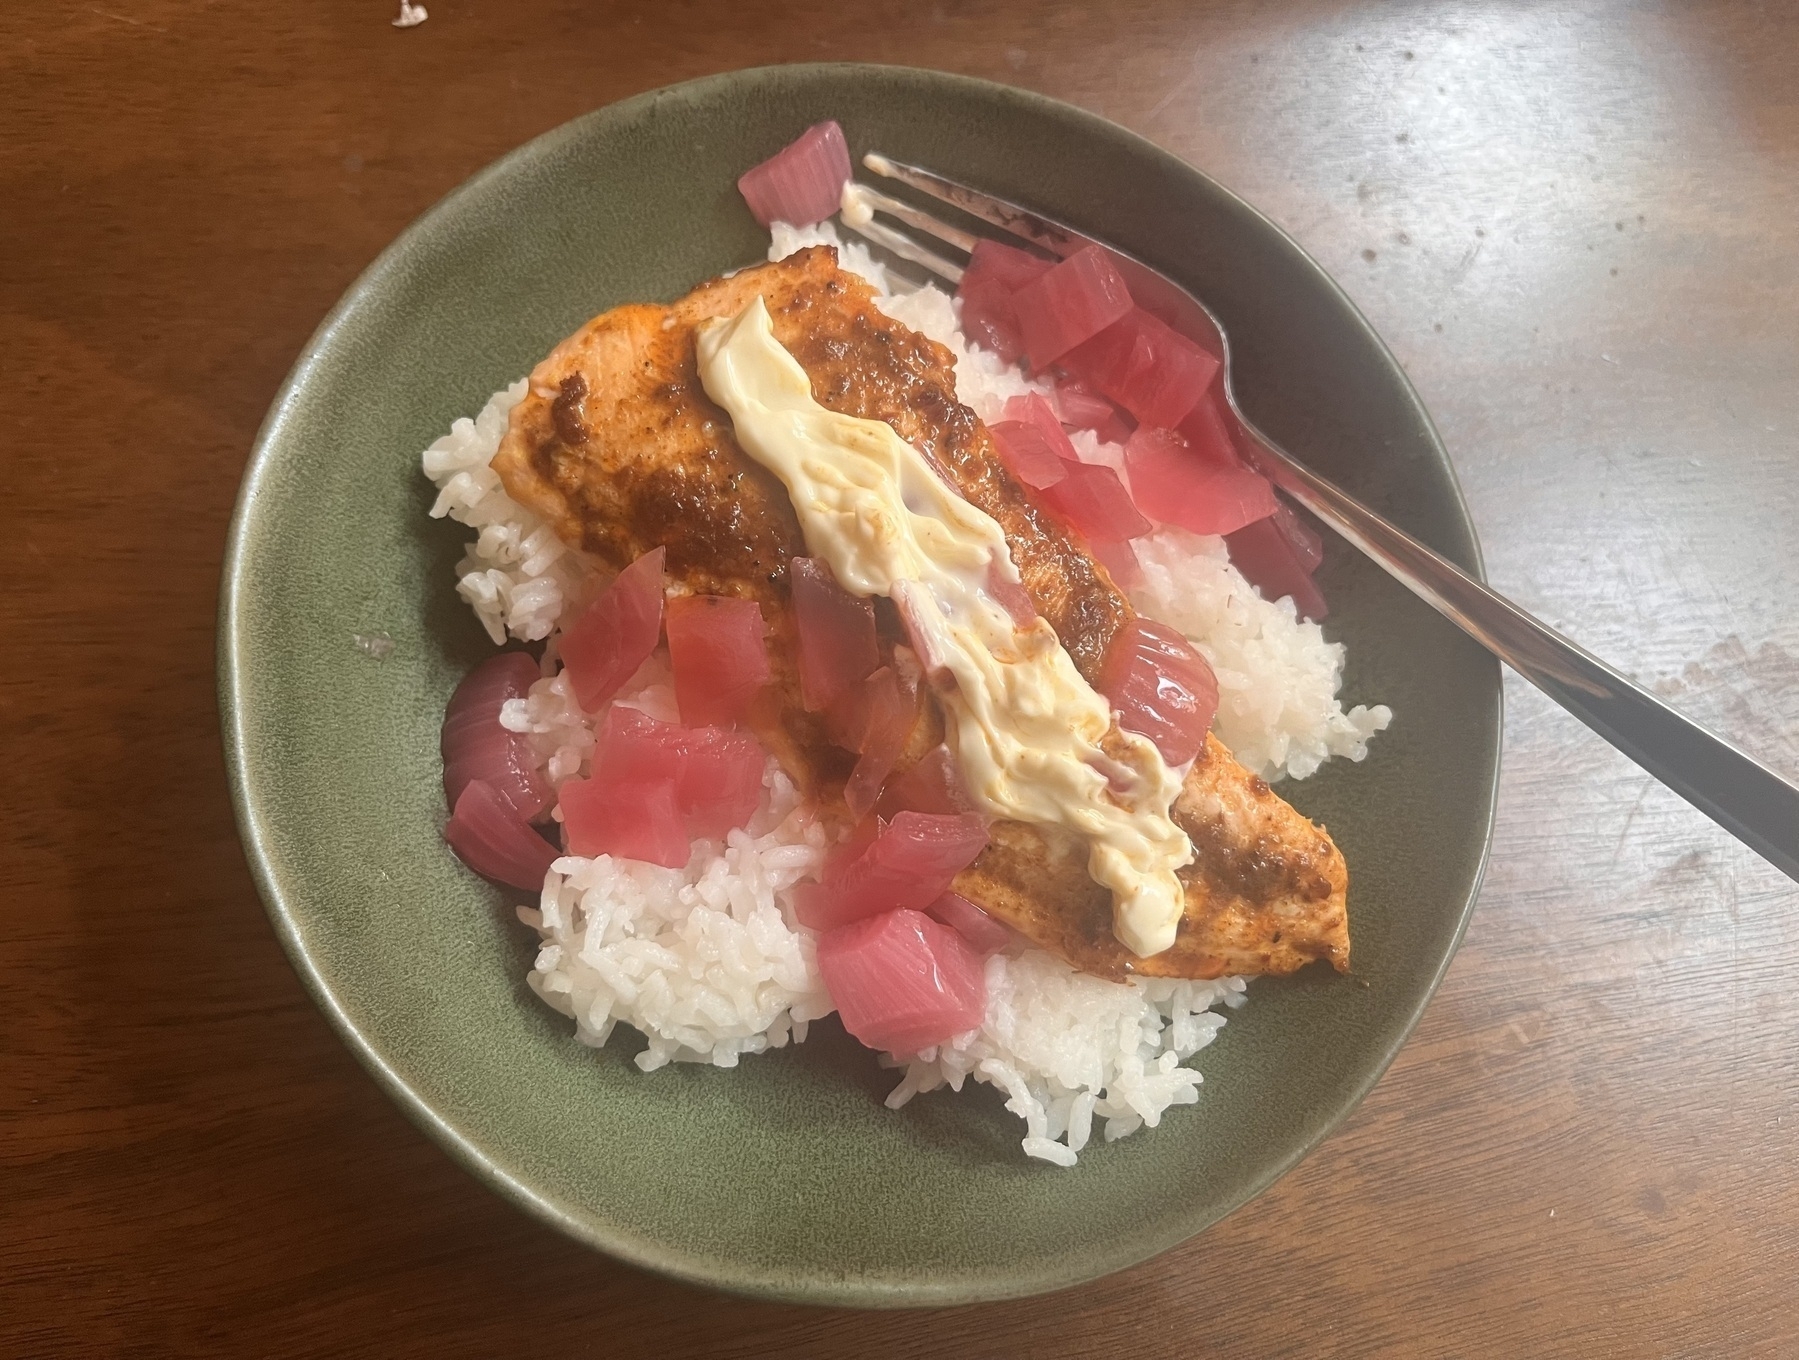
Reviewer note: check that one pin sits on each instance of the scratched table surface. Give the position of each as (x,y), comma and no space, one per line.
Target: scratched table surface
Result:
(1578,228)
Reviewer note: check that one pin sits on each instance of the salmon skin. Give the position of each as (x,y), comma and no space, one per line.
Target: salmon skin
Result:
(618,448)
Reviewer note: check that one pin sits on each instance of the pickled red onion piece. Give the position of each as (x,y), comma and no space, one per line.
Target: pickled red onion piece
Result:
(889,711)
(1120,562)
(983,933)
(1161,687)
(616,634)
(612,817)
(1174,485)
(715,775)
(909,598)
(493,840)
(1032,458)
(1093,500)
(1307,544)
(801,183)
(717,651)
(1271,563)
(1035,411)
(1087,410)
(1072,302)
(996,264)
(1033,443)
(1208,431)
(475,746)
(990,322)
(852,847)
(881,699)
(933,785)
(634,748)
(908,864)
(903,982)
(1011,596)
(994,273)
(836,633)
(1147,367)
(720,787)
(1081,408)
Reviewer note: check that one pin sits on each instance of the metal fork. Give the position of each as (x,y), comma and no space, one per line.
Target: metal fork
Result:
(1741,794)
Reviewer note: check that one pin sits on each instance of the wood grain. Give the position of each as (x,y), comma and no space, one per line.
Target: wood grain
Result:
(1573,223)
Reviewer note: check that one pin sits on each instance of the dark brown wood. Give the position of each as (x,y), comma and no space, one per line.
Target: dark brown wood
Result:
(1576,226)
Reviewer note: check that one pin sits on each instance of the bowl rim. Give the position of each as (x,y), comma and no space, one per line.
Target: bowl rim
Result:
(623,1245)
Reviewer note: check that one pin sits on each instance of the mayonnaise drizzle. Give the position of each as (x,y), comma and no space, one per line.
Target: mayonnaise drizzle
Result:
(1024,724)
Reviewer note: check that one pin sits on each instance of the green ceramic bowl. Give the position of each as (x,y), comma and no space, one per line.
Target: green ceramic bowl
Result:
(786,1177)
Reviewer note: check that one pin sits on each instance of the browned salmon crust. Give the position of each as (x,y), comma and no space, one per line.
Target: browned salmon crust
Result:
(619,449)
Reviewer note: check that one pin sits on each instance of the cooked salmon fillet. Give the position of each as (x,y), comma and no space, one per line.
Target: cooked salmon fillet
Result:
(619,449)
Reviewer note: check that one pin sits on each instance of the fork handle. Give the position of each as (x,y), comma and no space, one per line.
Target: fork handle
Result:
(1742,795)
(1738,792)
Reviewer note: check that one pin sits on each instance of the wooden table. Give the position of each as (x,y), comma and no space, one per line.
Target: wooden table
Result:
(1578,227)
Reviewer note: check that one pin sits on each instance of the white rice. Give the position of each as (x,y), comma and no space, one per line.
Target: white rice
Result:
(1278,709)
(1067,1047)
(517,575)
(709,963)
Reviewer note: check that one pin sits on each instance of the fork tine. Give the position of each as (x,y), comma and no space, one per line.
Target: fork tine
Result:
(859,201)
(903,246)
(1151,289)
(1007,216)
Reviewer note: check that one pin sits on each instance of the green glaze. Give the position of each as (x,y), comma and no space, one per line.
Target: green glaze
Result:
(785,1177)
